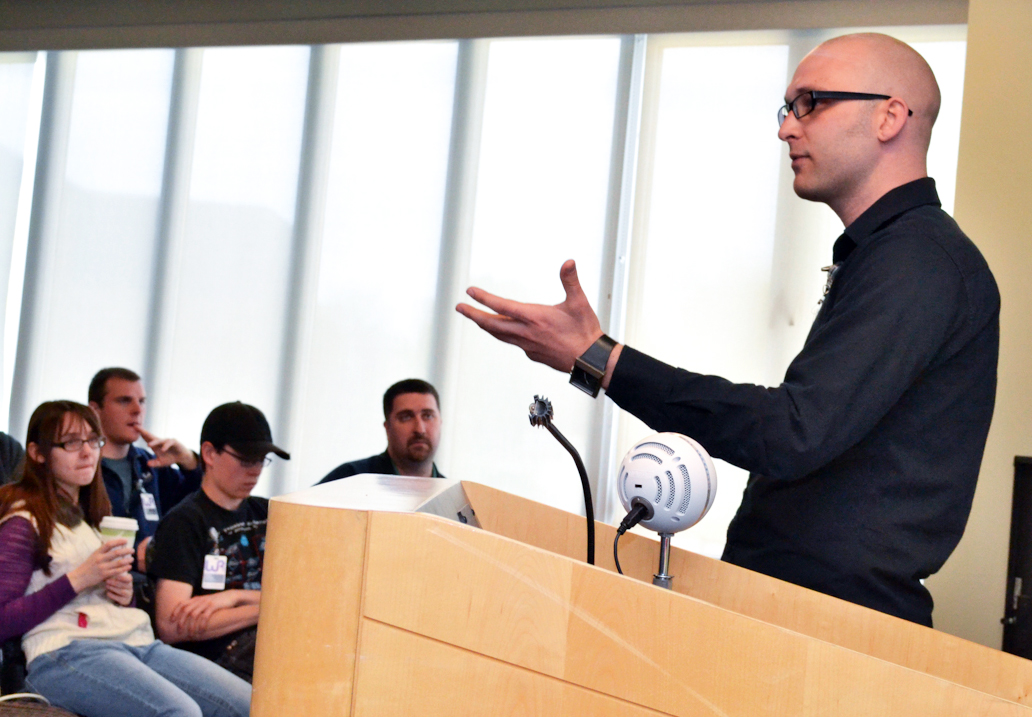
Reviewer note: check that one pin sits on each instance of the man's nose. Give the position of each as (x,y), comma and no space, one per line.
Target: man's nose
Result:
(789,128)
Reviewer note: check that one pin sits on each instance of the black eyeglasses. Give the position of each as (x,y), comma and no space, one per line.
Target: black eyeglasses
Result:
(805,103)
(250,463)
(74,445)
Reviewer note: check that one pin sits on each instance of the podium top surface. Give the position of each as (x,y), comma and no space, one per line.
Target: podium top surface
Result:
(371,491)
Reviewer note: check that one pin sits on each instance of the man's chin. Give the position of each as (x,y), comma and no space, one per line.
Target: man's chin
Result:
(125,439)
(419,453)
(806,190)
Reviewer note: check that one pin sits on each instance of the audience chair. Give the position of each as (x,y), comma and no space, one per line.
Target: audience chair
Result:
(14,701)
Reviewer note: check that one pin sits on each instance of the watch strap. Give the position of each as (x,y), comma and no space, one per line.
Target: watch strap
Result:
(590,367)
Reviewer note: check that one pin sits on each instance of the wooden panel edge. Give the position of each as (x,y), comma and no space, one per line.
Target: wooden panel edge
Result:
(310,610)
(361,611)
(683,655)
(420,565)
(404,673)
(762,597)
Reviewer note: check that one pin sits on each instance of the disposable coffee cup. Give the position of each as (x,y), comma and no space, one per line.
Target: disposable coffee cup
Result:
(112,527)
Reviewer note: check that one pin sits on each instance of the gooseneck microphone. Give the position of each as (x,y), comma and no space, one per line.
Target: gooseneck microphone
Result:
(541,415)
(667,482)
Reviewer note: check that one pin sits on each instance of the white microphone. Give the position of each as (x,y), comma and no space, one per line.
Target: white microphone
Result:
(667,482)
(673,474)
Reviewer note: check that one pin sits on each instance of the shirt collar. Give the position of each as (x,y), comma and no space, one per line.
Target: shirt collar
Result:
(883,212)
(433,467)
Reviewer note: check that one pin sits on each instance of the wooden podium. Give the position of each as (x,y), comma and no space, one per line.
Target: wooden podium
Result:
(378,600)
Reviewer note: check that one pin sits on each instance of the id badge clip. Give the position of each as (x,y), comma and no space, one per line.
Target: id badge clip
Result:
(150,506)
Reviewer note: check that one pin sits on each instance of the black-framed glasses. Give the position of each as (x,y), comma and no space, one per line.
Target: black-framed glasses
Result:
(250,463)
(75,444)
(805,103)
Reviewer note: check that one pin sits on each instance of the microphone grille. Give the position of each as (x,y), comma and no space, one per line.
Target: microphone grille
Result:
(648,457)
(655,444)
(687,498)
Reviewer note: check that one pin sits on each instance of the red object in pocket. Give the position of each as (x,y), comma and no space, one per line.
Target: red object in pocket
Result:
(83,620)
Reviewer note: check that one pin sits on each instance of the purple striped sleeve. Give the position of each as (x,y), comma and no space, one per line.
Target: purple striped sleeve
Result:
(19,612)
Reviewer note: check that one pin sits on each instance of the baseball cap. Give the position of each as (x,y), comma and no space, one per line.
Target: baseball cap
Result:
(243,428)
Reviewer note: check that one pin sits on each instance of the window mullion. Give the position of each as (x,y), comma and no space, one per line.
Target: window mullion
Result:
(457,222)
(612,300)
(172,216)
(309,216)
(44,226)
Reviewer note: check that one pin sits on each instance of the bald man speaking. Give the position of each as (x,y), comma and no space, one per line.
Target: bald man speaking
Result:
(864,460)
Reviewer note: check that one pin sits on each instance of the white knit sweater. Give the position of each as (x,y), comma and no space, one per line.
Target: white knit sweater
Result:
(90,614)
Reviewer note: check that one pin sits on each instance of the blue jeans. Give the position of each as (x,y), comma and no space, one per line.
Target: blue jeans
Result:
(102,678)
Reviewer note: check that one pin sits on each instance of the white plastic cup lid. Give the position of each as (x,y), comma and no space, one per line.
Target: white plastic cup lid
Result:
(112,522)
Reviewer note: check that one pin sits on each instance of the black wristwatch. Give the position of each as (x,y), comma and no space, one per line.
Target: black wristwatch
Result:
(590,367)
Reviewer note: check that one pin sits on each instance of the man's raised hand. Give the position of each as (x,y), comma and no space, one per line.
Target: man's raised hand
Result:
(168,451)
(552,335)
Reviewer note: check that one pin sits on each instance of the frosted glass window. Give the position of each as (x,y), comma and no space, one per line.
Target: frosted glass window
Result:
(380,247)
(709,190)
(15,87)
(19,129)
(541,199)
(705,285)
(231,296)
(97,278)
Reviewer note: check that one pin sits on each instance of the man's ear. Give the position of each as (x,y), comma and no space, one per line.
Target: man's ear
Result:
(33,452)
(892,119)
(208,453)
(95,406)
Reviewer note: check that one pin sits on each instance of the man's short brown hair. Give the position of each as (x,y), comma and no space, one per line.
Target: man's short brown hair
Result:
(98,386)
(409,385)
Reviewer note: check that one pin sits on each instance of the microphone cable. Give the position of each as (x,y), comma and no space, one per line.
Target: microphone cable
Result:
(640,510)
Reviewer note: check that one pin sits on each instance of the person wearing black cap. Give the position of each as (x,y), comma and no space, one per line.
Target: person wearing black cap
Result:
(209,550)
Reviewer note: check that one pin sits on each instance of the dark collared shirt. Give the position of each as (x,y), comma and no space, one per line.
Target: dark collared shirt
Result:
(380,463)
(864,460)
(168,484)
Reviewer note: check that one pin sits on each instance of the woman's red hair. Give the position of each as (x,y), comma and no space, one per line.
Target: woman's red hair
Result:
(35,487)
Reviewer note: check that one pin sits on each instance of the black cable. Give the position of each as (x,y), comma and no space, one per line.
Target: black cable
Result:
(640,510)
(616,552)
(541,415)
(589,510)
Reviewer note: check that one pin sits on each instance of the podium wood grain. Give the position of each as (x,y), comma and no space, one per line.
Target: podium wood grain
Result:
(765,598)
(424,683)
(309,616)
(390,613)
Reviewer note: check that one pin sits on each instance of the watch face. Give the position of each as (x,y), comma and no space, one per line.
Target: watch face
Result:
(584,381)
(589,367)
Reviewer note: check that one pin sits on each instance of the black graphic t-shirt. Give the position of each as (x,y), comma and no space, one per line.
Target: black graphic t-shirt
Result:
(198,527)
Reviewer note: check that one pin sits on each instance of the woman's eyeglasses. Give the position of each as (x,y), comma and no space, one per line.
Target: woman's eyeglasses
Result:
(74,445)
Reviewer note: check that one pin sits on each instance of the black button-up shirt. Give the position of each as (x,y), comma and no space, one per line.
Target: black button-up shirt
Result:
(864,460)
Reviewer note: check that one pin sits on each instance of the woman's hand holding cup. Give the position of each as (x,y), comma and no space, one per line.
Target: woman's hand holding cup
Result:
(119,589)
(112,558)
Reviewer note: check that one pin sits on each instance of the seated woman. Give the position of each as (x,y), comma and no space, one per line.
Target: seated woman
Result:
(66,591)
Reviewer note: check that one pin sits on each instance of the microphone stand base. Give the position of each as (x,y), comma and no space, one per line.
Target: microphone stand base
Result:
(663,578)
